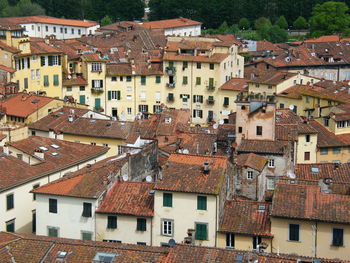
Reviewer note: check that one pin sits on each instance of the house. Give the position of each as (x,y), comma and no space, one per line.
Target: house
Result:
(245,225)
(308,222)
(32,162)
(189,199)
(126,214)
(42,26)
(78,196)
(176,27)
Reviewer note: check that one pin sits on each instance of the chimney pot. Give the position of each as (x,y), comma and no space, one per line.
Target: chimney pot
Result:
(206,167)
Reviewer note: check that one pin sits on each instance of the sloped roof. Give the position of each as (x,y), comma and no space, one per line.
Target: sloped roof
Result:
(170,23)
(251,160)
(235,84)
(262,146)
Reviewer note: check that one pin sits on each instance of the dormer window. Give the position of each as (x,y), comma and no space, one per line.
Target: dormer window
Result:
(96,67)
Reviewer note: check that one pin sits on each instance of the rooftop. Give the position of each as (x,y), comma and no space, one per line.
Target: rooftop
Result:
(262,146)
(306,202)
(235,84)
(170,23)
(247,218)
(251,160)
(273,78)
(129,198)
(185,173)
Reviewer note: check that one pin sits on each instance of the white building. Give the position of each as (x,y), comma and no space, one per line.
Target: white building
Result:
(176,27)
(32,162)
(42,26)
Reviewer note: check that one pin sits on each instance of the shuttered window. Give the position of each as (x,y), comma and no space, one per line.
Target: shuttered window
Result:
(53,206)
(87,210)
(168,199)
(112,222)
(201,231)
(201,202)
(9,202)
(141,224)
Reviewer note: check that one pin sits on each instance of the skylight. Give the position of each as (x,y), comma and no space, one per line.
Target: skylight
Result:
(62,254)
(55,146)
(54,154)
(261,207)
(102,257)
(43,148)
(315,170)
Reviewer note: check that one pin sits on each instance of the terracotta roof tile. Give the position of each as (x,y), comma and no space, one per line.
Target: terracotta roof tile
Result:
(273,78)
(326,138)
(262,146)
(6,47)
(22,105)
(251,160)
(308,203)
(215,58)
(247,218)
(129,198)
(184,173)
(170,23)
(235,84)
(78,81)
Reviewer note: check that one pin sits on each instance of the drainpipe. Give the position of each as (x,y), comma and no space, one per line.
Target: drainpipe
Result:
(191,99)
(216,218)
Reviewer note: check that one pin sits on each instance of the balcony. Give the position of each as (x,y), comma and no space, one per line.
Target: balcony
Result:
(170,71)
(170,99)
(210,101)
(170,85)
(97,91)
(210,88)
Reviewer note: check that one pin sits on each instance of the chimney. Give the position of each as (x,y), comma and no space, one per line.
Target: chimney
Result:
(51,134)
(336,165)
(70,118)
(206,167)
(39,153)
(6,149)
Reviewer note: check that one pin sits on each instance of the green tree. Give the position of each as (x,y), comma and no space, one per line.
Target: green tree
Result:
(106,20)
(23,8)
(277,34)
(300,23)
(244,23)
(282,22)
(223,28)
(262,22)
(329,18)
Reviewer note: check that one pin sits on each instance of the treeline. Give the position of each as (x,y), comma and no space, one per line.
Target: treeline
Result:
(214,12)
(95,10)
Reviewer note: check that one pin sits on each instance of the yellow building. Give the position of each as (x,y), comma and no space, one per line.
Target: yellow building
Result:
(253,234)
(307,222)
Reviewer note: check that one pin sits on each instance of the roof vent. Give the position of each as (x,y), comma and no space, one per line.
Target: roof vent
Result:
(206,167)
(315,170)
(62,254)
(70,118)
(261,207)
(55,146)
(102,257)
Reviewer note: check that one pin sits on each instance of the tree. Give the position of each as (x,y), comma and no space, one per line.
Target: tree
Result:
(282,22)
(262,22)
(277,34)
(300,23)
(23,8)
(244,23)
(106,20)
(329,18)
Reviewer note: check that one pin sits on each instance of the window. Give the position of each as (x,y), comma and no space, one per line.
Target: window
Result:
(34,187)
(143,80)
(54,29)
(87,209)
(111,222)
(293,232)
(269,87)
(341,124)
(55,80)
(197,114)
(271,163)
(201,231)
(46,81)
(230,240)
(167,227)
(240,129)
(336,150)
(79,31)
(167,199)
(184,80)
(82,88)
(226,101)
(141,243)
(270,183)
(9,202)
(97,84)
(38,73)
(259,130)
(184,65)
(114,79)
(143,108)
(46,28)
(39,28)
(10,226)
(250,175)
(198,80)
(72,30)
(307,137)
(69,88)
(281,106)
(120,149)
(256,242)
(338,237)
(141,224)
(201,203)
(121,78)
(65,30)
(61,30)
(86,235)
(326,122)
(53,205)
(128,78)
(96,67)
(197,98)
(211,66)
(307,99)
(114,95)
(306,156)
(32,73)
(157,79)
(199,65)
(33,221)
(129,111)
(257,85)
(52,231)
(324,151)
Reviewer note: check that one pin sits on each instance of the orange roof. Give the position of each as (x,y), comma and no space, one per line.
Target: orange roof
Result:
(235,84)
(215,58)
(11,70)
(170,23)
(23,105)
(47,20)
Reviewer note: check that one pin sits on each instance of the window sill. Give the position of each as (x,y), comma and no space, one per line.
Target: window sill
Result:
(293,241)
(335,246)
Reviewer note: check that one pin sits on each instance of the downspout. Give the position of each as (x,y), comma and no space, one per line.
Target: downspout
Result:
(338,73)
(191,99)
(151,243)
(216,219)
(135,111)
(315,239)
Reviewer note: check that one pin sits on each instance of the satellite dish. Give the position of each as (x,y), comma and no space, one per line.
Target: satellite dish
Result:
(69,76)
(291,107)
(125,177)
(221,122)
(149,179)
(291,174)
(215,126)
(171,242)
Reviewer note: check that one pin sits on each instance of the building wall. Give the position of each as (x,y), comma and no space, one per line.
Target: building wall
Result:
(15,134)
(333,156)
(39,30)
(184,214)
(183,31)
(242,242)
(69,217)
(303,146)
(126,229)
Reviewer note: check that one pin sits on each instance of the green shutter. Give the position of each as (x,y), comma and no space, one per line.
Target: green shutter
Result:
(97,103)
(157,79)
(201,231)
(167,199)
(109,95)
(46,81)
(10,227)
(50,61)
(82,99)
(211,82)
(171,64)
(201,202)
(198,80)
(184,80)
(55,80)
(185,64)
(141,224)
(9,202)
(118,95)
(201,98)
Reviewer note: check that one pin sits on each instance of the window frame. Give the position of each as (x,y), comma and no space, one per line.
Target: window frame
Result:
(340,242)
(53,206)
(169,231)
(259,130)
(290,232)
(168,203)
(202,202)
(11,200)
(197,235)
(141,224)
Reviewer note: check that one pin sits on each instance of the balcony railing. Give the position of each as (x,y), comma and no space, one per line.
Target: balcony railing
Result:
(210,101)
(96,91)
(210,87)
(170,71)
(170,85)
